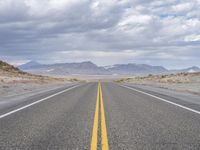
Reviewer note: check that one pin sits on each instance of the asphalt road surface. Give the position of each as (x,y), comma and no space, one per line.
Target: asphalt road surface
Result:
(101,116)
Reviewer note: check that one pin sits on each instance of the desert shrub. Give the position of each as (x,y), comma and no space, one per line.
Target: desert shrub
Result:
(150,75)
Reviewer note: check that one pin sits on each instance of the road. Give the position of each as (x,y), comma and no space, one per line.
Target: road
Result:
(101,116)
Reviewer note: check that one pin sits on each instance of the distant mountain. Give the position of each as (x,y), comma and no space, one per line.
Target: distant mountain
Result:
(136,69)
(189,70)
(66,68)
(30,64)
(90,68)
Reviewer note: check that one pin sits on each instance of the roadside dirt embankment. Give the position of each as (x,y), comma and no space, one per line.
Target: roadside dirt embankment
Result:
(14,81)
(186,82)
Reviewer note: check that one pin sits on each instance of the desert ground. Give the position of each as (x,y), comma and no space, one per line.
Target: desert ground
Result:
(14,82)
(183,82)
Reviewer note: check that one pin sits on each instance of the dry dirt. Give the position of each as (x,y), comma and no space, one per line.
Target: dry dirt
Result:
(15,82)
(185,82)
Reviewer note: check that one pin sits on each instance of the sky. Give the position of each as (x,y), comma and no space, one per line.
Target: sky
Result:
(106,32)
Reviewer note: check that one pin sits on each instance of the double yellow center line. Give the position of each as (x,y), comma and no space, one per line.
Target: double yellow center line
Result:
(104,138)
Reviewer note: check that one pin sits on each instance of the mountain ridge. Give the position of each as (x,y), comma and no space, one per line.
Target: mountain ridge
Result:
(88,67)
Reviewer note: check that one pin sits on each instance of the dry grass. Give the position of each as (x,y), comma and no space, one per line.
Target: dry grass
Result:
(183,82)
(171,78)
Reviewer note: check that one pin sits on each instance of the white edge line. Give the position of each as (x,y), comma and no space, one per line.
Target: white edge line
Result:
(162,99)
(36,102)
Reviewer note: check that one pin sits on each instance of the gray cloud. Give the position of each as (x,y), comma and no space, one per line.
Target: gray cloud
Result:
(156,30)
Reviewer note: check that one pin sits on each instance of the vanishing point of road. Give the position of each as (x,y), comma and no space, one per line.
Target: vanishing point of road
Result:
(94,116)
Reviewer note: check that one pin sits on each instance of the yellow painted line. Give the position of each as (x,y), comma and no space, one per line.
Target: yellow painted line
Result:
(104,138)
(95,125)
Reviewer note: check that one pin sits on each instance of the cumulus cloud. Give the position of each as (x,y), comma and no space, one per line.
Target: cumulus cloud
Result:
(137,31)
(99,57)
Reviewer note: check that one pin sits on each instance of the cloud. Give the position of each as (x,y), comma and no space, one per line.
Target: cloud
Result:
(99,57)
(192,38)
(183,7)
(42,30)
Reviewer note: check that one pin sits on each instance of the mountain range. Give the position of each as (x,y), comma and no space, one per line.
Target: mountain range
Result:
(90,68)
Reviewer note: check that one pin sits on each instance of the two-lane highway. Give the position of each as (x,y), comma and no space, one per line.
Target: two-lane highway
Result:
(100,116)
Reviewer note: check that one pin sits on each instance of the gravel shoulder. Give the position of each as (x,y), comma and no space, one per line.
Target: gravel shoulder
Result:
(13,94)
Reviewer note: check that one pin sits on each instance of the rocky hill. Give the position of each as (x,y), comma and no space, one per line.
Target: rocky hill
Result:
(9,70)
